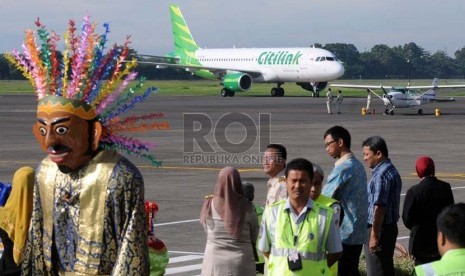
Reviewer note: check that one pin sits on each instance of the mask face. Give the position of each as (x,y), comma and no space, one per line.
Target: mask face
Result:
(65,138)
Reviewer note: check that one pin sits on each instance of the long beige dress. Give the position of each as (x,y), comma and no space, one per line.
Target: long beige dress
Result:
(228,256)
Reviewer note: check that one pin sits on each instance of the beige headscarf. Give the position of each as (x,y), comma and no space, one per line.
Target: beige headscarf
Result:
(16,214)
(228,200)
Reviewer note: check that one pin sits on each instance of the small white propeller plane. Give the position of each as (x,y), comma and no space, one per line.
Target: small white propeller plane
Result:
(402,97)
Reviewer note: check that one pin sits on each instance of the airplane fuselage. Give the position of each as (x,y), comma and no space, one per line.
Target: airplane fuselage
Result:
(276,64)
(407,98)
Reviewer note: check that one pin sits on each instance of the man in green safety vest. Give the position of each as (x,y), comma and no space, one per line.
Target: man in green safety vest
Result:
(451,243)
(315,194)
(298,235)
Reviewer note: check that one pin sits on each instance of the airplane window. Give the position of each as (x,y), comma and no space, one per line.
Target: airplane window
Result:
(330,58)
(317,59)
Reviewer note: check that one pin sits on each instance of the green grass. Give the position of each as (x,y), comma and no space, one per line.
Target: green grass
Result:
(212,88)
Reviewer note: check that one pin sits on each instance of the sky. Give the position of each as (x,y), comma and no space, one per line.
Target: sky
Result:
(433,25)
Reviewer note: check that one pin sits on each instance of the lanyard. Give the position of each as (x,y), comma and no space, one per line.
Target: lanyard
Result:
(296,237)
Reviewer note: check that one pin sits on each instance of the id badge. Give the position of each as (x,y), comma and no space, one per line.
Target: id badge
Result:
(294,261)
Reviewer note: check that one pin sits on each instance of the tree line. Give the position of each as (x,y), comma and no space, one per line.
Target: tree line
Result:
(409,61)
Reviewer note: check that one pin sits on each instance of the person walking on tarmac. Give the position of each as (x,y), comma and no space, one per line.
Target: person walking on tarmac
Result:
(329,100)
(339,100)
(368,108)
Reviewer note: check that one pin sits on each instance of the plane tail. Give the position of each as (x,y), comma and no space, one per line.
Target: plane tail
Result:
(183,41)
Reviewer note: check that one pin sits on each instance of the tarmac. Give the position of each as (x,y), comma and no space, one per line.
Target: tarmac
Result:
(210,132)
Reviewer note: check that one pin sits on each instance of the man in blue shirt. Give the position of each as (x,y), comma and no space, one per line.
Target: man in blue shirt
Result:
(347,184)
(383,207)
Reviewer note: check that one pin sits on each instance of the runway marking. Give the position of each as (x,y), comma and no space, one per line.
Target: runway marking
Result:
(185,258)
(176,270)
(195,220)
(185,252)
(452,188)
(199,168)
(176,222)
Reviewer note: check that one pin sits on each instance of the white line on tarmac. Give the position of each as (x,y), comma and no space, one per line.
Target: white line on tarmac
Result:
(176,222)
(453,188)
(185,252)
(185,258)
(195,220)
(176,270)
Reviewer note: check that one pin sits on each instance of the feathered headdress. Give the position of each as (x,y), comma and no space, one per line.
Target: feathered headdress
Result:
(88,83)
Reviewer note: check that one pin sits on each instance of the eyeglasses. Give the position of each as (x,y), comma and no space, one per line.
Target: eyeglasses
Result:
(329,143)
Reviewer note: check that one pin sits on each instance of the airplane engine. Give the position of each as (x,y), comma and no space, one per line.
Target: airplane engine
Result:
(308,86)
(237,81)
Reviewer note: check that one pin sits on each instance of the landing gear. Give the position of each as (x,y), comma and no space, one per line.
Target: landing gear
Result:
(227,93)
(420,111)
(389,111)
(277,91)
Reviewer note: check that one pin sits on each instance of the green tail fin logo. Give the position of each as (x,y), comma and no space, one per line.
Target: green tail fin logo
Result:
(184,43)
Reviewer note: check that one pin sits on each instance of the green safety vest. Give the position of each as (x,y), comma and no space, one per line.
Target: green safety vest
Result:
(311,243)
(452,263)
(259,211)
(328,202)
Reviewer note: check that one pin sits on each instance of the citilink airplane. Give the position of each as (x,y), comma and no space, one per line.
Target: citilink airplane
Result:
(237,68)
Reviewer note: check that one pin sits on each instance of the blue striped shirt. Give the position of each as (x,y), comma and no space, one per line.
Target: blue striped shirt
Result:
(384,190)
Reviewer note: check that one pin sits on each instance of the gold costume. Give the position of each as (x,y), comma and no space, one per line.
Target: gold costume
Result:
(90,221)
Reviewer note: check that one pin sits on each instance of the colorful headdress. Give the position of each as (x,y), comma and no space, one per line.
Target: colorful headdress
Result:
(88,83)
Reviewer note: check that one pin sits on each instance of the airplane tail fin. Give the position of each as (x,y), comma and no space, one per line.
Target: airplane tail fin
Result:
(183,41)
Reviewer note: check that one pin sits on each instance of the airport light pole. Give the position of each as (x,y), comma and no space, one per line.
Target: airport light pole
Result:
(408,68)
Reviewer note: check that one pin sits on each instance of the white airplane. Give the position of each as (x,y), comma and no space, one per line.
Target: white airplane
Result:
(403,97)
(237,69)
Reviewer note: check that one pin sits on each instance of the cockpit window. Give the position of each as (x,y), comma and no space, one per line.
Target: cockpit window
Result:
(330,58)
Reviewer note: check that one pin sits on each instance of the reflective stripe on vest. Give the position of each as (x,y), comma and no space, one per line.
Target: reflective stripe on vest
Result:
(428,269)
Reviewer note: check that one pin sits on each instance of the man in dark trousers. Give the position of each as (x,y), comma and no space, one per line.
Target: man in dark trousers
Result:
(383,207)
(423,203)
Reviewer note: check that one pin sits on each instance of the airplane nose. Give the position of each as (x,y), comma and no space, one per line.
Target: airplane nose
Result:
(336,70)
(339,70)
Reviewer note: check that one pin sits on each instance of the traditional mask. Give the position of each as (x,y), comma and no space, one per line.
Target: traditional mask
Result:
(66,131)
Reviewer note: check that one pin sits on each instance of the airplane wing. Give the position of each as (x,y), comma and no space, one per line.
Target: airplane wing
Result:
(371,88)
(438,86)
(357,86)
(163,62)
(420,87)
(157,59)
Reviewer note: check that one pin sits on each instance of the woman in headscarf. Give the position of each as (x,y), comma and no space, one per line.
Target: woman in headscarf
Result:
(232,228)
(423,203)
(14,220)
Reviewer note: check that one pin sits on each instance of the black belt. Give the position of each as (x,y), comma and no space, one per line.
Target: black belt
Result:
(385,224)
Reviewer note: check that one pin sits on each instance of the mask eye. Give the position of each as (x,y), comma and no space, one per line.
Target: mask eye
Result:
(42,131)
(61,130)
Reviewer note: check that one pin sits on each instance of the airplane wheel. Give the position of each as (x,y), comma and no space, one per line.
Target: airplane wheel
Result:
(391,112)
(274,92)
(386,111)
(231,93)
(280,92)
(420,111)
(224,92)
